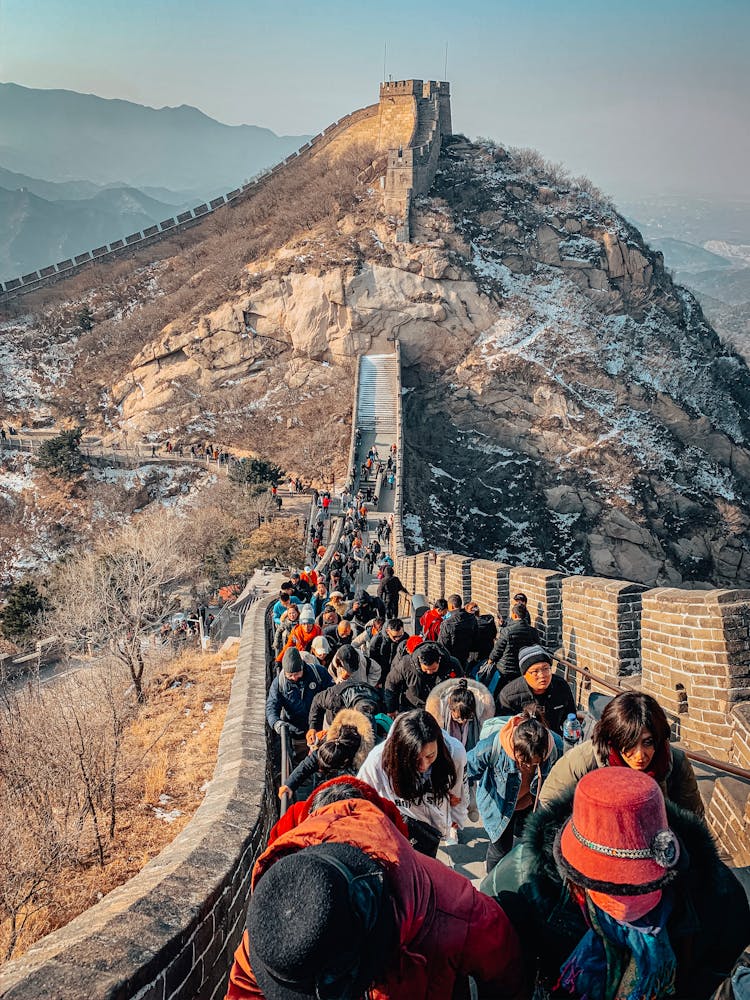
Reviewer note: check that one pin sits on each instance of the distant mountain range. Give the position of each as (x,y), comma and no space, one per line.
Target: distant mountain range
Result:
(35,232)
(77,170)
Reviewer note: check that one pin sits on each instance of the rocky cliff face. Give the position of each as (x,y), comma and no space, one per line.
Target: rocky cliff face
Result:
(566,404)
(593,421)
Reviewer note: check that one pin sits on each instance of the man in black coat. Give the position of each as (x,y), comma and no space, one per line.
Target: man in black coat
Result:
(458,633)
(504,655)
(412,678)
(387,644)
(363,609)
(537,683)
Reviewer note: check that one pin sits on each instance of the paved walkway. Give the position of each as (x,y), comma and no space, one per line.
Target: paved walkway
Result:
(467,856)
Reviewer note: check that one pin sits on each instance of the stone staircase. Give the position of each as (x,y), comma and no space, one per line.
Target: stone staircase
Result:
(377,400)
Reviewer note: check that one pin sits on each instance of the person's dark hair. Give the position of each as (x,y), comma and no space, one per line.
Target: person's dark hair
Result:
(394,624)
(408,736)
(287,585)
(520,598)
(456,600)
(338,754)
(531,735)
(388,571)
(284,596)
(428,653)
(623,720)
(462,699)
(339,792)
(519,610)
(441,604)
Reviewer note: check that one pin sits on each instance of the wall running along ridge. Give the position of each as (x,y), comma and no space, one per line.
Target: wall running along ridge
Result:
(409,111)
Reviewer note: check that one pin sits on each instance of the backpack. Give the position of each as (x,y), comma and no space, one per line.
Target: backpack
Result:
(318,671)
(362,698)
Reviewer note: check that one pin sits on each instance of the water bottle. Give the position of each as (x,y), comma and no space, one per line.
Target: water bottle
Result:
(572,732)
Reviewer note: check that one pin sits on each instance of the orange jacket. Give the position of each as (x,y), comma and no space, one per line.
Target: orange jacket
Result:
(300,638)
(446,927)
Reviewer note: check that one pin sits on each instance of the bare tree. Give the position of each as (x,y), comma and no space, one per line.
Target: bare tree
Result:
(114,598)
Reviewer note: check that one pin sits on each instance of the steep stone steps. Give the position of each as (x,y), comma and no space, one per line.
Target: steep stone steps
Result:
(377,399)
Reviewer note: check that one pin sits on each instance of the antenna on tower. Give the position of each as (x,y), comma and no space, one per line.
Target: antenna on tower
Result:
(445,73)
(385,50)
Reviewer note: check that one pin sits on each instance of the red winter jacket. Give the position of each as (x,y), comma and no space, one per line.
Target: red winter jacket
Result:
(431,621)
(447,928)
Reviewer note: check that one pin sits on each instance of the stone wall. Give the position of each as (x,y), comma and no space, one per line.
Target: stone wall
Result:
(170,932)
(405,109)
(489,586)
(729,819)
(696,660)
(601,625)
(543,588)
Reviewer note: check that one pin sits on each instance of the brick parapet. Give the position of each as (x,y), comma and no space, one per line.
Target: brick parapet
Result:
(728,819)
(436,575)
(490,586)
(421,564)
(458,576)
(170,931)
(601,625)
(543,588)
(740,716)
(696,660)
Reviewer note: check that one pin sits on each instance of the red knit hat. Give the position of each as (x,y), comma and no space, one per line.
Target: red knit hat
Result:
(618,839)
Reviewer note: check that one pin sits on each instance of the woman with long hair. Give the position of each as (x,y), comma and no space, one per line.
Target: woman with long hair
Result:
(632,732)
(423,770)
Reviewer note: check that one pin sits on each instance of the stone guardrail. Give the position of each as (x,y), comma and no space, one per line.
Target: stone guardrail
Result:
(181,222)
(169,933)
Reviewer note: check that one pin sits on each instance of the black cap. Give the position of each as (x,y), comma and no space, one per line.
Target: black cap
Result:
(310,924)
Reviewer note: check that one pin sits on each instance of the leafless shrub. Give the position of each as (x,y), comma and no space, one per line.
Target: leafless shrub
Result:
(60,769)
(114,597)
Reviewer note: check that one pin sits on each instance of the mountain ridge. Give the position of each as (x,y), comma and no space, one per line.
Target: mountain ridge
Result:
(110,139)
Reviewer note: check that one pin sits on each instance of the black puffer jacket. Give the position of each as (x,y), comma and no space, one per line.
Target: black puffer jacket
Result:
(385,650)
(511,640)
(408,686)
(458,634)
(708,927)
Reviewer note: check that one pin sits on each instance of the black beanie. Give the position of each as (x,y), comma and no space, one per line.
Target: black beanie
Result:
(292,662)
(310,923)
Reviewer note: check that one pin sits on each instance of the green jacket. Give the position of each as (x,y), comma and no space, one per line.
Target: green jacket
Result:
(679,786)
(708,926)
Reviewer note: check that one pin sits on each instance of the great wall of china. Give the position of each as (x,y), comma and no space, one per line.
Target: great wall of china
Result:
(169,933)
(404,128)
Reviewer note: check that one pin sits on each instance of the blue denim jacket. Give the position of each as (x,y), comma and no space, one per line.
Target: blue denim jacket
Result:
(499,784)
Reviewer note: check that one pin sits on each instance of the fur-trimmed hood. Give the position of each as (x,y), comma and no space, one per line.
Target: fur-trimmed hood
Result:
(709,924)
(699,855)
(351,717)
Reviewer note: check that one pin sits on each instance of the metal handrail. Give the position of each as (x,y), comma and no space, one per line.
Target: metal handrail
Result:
(286,769)
(699,758)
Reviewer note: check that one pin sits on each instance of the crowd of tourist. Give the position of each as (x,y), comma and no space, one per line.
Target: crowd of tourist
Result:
(602,880)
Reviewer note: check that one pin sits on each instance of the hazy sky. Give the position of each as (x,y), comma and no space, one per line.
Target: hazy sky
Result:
(644,96)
